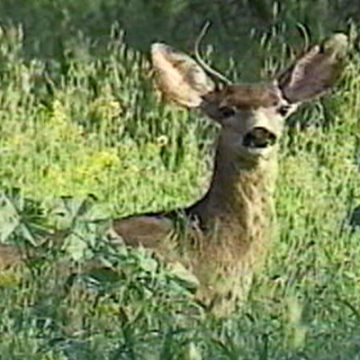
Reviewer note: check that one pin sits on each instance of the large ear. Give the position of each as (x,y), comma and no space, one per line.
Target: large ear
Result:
(179,77)
(315,72)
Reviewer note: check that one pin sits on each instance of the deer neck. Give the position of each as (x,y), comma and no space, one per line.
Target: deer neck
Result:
(240,196)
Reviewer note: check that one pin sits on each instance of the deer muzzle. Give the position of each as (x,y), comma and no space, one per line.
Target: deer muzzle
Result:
(259,137)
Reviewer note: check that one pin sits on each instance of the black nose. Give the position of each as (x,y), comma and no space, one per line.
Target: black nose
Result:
(259,137)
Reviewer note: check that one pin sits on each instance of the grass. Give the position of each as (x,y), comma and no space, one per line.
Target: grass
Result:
(83,139)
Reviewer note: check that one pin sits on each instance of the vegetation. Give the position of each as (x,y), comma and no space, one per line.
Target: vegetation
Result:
(83,137)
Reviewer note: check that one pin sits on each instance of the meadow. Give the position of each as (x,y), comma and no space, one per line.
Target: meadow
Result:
(84,138)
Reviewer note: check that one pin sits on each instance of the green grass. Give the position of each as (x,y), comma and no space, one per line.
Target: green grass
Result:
(82,125)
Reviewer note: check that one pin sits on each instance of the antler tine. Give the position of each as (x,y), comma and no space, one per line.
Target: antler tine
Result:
(201,62)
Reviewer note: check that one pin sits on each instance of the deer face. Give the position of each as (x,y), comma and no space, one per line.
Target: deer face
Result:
(251,116)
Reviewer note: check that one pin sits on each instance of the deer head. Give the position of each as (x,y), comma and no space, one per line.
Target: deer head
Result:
(251,116)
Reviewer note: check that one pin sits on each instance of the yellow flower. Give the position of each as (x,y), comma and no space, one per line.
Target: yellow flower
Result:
(105,158)
(60,124)
(105,108)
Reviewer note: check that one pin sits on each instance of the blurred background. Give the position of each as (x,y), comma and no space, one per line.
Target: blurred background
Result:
(51,26)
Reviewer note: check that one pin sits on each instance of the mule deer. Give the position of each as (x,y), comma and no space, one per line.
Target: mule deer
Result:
(226,233)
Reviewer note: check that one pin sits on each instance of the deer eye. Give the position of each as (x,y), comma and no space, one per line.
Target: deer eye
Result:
(226,111)
(283,109)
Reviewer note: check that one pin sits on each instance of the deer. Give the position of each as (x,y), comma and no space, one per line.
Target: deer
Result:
(224,236)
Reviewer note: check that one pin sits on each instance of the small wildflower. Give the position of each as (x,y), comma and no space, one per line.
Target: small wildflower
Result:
(162,140)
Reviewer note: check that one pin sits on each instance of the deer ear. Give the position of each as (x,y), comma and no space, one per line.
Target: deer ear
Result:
(179,77)
(315,72)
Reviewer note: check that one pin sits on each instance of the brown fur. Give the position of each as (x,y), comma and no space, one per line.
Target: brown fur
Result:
(246,97)
(10,255)
(226,233)
(227,230)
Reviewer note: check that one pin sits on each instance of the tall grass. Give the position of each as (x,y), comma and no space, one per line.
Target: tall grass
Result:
(79,125)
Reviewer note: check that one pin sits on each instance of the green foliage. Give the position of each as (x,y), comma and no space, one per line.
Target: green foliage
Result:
(83,138)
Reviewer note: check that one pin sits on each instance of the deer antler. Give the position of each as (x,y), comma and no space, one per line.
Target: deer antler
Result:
(202,63)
